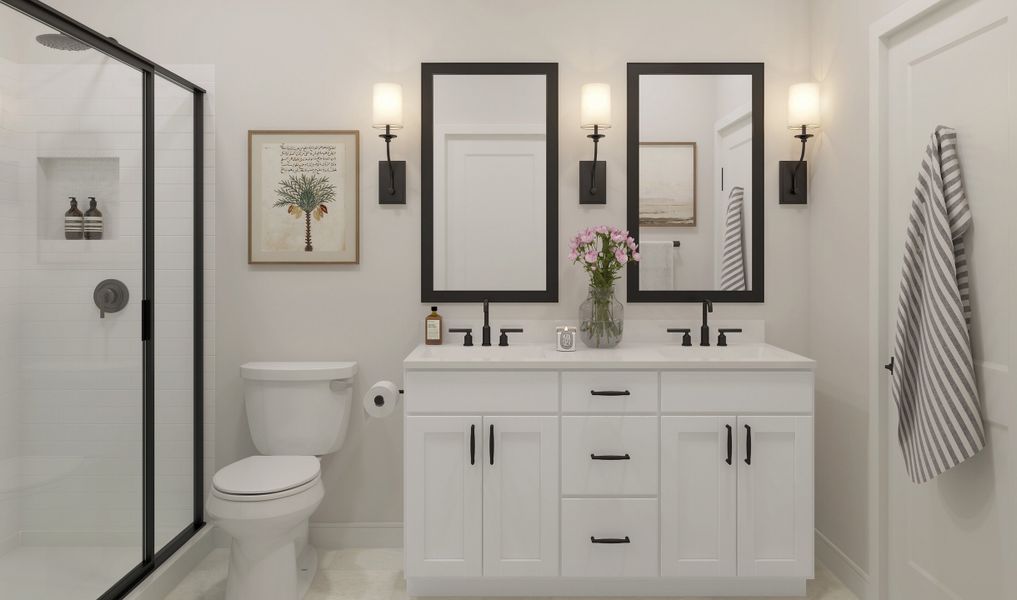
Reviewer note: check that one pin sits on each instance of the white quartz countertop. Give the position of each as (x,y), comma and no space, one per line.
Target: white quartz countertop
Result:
(627,355)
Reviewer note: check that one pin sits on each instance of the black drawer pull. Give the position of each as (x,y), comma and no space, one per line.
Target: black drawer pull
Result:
(611,456)
(597,540)
(729,445)
(610,393)
(748,445)
(490,444)
(473,444)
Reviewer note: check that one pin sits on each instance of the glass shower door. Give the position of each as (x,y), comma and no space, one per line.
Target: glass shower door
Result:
(71,273)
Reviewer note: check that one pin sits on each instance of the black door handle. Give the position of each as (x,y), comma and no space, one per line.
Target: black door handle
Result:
(748,445)
(490,443)
(729,445)
(597,540)
(610,393)
(889,366)
(611,456)
(473,444)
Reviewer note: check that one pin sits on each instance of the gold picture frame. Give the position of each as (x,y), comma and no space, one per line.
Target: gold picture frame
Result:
(303,196)
(668,184)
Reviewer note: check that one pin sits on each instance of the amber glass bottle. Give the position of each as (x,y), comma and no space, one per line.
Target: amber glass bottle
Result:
(74,222)
(433,328)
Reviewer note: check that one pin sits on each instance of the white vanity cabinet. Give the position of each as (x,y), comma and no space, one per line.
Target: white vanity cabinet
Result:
(632,472)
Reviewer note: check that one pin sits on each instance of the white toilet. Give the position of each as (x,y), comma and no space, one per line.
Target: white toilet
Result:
(297,412)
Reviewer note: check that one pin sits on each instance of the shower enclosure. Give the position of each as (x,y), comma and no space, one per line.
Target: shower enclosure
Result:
(101,309)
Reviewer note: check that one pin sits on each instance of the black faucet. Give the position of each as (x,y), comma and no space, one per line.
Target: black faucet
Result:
(485,333)
(704,331)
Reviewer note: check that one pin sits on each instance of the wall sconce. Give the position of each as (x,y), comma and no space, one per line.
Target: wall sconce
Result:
(802,115)
(388,115)
(595,114)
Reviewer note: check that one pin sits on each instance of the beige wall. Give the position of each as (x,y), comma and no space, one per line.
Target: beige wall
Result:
(310,64)
(838,270)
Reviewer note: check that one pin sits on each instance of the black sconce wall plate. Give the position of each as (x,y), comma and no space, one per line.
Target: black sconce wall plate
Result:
(385,182)
(598,193)
(796,181)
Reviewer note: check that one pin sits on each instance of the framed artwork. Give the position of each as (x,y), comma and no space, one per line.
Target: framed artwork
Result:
(303,197)
(667,184)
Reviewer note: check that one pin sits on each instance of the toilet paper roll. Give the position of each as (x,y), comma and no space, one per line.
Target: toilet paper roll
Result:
(381,400)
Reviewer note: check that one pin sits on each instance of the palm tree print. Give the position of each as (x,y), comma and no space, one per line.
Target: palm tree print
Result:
(306,195)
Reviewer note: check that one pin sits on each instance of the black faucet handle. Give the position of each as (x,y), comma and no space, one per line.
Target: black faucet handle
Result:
(503,339)
(687,334)
(722,338)
(468,338)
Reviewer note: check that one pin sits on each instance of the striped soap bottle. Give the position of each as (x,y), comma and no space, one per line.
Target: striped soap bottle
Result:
(93,221)
(73,221)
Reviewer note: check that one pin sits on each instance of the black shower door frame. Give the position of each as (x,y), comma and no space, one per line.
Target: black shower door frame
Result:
(152,558)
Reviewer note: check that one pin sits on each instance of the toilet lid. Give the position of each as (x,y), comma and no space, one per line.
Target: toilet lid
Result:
(256,475)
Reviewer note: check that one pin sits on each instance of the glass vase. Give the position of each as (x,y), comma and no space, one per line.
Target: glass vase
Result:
(601,318)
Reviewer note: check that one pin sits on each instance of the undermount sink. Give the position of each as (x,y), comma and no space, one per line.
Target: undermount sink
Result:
(737,352)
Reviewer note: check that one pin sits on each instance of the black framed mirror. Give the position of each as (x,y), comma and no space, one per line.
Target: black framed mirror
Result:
(695,181)
(489,182)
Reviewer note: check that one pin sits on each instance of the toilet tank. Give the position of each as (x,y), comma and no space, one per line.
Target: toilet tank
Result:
(298,408)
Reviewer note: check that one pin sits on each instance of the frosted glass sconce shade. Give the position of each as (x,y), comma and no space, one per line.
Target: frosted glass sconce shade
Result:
(595,106)
(388,105)
(803,106)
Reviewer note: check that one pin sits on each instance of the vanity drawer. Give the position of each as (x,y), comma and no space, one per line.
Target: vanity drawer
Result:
(609,519)
(609,439)
(736,391)
(468,392)
(609,392)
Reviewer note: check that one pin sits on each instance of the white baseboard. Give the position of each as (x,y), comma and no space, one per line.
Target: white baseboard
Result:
(160,583)
(841,565)
(330,536)
(333,536)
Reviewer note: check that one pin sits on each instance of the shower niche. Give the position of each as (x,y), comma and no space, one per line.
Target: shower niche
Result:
(60,177)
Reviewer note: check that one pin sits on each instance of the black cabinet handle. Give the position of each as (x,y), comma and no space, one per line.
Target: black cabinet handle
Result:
(611,456)
(748,445)
(490,444)
(597,540)
(610,393)
(729,444)
(473,444)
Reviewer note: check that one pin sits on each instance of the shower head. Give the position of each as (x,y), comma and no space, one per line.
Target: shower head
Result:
(59,41)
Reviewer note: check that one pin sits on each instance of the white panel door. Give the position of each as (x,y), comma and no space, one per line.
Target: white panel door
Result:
(443,496)
(496,195)
(520,496)
(775,495)
(733,169)
(698,478)
(952,538)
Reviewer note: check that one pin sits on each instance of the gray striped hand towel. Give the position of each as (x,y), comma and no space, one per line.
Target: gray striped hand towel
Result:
(934,376)
(732,262)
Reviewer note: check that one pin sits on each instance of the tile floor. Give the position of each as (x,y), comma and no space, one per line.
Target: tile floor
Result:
(48,572)
(376,574)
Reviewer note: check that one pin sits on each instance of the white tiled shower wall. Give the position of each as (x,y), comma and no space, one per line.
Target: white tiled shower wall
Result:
(78,395)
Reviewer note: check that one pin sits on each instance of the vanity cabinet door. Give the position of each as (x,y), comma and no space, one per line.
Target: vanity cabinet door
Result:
(698,477)
(443,479)
(520,496)
(775,491)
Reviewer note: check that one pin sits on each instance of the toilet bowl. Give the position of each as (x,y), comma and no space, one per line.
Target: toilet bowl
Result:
(264,503)
(297,413)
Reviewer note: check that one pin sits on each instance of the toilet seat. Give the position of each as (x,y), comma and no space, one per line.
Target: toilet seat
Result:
(260,478)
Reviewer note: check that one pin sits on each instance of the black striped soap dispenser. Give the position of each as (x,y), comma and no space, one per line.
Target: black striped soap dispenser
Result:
(73,221)
(93,221)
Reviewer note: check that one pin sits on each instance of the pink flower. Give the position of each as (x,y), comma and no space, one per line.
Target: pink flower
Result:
(573,256)
(591,256)
(635,256)
(586,237)
(616,236)
(621,256)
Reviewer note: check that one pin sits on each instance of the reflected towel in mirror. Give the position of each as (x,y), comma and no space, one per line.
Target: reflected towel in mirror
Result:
(656,266)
